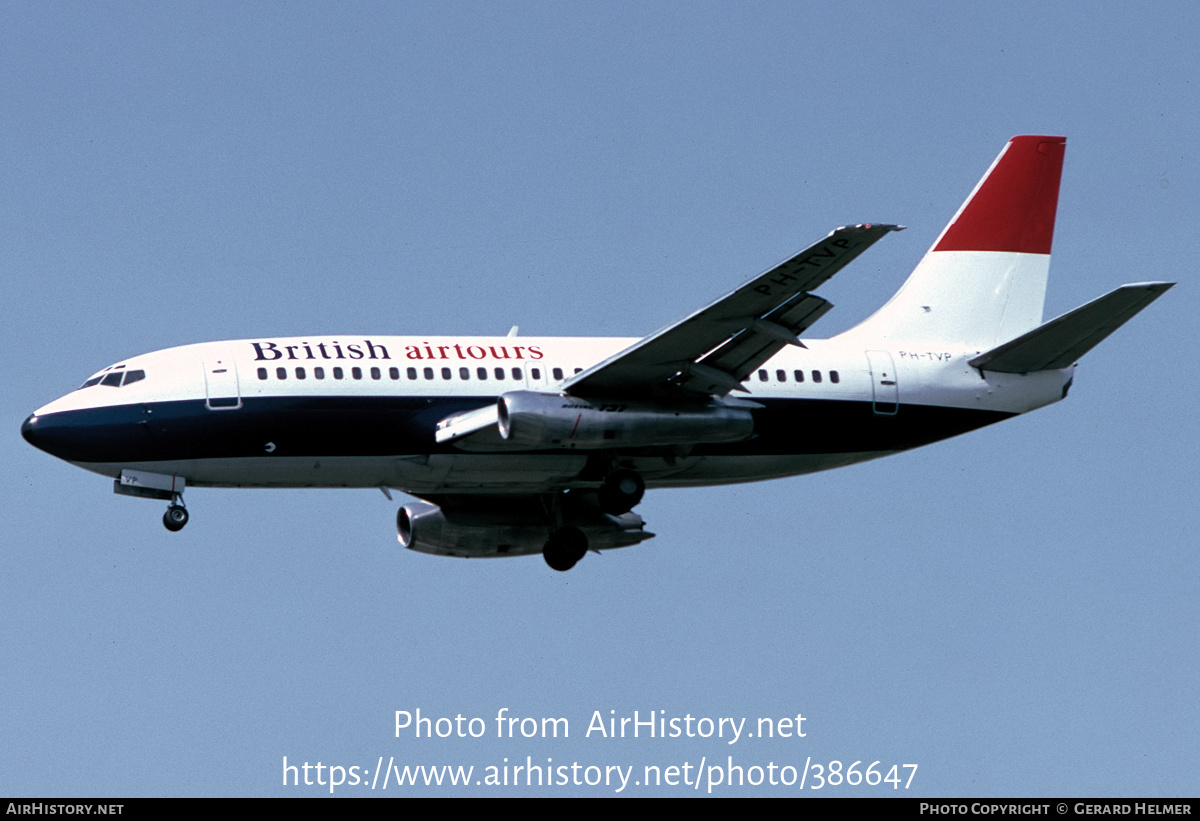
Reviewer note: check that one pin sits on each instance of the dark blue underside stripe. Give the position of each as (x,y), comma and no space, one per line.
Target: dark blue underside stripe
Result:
(384,426)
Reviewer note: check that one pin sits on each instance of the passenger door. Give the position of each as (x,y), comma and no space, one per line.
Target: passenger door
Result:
(885,390)
(221,384)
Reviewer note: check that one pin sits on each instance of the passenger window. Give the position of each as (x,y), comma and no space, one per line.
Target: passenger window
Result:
(319,373)
(281,373)
(799,375)
(762,375)
(300,373)
(816,376)
(337,373)
(375,374)
(262,374)
(780,376)
(579,370)
(516,373)
(394,373)
(356,372)
(464,373)
(445,373)
(481,373)
(429,373)
(411,373)
(536,373)
(558,374)
(834,377)
(499,373)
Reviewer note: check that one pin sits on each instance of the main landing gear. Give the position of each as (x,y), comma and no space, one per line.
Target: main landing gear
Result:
(621,491)
(566,546)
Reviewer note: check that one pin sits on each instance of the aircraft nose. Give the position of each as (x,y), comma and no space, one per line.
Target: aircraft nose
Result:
(29,429)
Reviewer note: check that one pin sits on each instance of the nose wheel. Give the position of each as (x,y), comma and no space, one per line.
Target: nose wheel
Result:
(175,517)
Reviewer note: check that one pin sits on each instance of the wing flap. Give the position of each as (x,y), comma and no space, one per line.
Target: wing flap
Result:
(745,352)
(1060,342)
(739,331)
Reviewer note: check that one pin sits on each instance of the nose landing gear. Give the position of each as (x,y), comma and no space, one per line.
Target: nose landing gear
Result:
(176,516)
(167,487)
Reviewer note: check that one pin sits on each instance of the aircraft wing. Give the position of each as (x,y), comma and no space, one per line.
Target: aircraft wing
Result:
(715,348)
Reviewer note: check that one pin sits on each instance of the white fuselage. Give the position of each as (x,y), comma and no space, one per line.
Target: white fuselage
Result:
(354,411)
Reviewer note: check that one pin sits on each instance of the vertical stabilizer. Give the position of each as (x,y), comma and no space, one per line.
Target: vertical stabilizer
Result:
(984,281)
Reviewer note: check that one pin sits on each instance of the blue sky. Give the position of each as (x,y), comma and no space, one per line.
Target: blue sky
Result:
(1014,611)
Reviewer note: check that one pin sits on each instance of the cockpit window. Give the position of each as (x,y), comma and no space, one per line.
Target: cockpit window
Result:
(115,378)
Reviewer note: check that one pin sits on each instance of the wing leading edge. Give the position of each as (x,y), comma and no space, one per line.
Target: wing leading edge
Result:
(714,349)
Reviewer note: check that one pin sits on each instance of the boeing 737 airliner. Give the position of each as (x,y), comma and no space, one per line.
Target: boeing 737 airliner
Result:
(517,445)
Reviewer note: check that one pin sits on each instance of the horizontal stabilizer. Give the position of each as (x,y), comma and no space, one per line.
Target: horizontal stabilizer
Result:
(1060,342)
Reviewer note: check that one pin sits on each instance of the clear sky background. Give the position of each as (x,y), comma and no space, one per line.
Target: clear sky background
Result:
(1015,611)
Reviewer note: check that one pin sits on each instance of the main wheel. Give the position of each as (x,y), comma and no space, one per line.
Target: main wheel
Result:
(621,491)
(175,518)
(566,546)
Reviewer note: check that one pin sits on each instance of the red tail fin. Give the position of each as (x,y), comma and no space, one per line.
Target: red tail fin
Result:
(1013,207)
(984,281)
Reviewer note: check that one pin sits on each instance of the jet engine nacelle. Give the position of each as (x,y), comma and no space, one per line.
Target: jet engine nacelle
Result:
(548,420)
(491,531)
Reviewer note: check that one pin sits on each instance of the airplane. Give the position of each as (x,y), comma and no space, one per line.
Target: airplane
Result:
(517,446)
